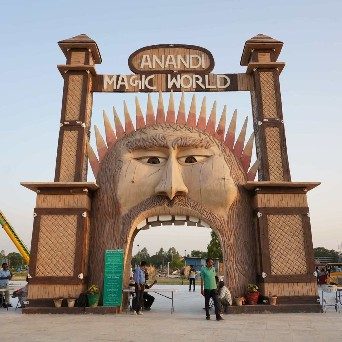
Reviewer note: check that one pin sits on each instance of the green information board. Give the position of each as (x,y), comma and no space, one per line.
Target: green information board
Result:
(113,273)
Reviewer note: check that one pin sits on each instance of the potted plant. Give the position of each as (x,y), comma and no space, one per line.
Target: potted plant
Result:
(58,302)
(71,302)
(253,294)
(273,299)
(239,301)
(93,295)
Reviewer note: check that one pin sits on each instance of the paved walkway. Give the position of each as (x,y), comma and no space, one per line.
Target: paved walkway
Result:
(186,324)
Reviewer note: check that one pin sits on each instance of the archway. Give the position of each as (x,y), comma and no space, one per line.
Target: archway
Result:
(173,163)
(183,234)
(169,261)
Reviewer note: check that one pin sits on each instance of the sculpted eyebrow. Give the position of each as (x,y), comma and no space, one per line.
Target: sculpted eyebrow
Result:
(148,142)
(192,142)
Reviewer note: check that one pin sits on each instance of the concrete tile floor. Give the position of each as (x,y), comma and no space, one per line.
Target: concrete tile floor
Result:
(186,324)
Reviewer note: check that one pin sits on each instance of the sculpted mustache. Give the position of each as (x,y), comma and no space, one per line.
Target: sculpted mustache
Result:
(184,201)
(177,200)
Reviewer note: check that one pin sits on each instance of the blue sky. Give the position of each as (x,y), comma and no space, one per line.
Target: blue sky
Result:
(31,86)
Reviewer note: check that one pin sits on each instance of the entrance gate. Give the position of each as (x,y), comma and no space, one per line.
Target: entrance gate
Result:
(172,167)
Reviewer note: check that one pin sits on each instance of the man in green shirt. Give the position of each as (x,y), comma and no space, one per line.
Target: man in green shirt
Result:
(209,288)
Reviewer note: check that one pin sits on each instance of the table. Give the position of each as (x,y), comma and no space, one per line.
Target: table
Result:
(336,303)
(159,292)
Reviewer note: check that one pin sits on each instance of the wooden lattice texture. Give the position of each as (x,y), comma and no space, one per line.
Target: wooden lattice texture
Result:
(289,289)
(63,201)
(78,57)
(274,154)
(68,156)
(286,244)
(56,247)
(73,104)
(39,291)
(268,94)
(280,200)
(89,105)
(258,141)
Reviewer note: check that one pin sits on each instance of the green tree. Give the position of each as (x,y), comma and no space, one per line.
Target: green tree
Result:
(144,255)
(177,263)
(158,260)
(3,256)
(172,254)
(15,260)
(214,248)
(140,256)
(199,254)
(174,258)
(323,252)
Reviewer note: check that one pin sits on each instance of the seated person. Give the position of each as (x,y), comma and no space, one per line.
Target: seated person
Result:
(224,296)
(148,299)
(22,295)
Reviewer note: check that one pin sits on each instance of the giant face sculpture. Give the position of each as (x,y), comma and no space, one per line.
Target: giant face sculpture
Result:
(173,161)
(173,171)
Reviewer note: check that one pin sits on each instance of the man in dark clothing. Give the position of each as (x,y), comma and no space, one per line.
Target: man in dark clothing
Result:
(209,288)
(139,279)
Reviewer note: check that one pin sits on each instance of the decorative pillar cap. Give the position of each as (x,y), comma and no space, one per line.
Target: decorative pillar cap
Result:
(67,186)
(263,185)
(82,41)
(260,42)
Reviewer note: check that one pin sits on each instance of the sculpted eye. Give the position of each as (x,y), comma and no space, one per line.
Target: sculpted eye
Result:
(152,160)
(192,159)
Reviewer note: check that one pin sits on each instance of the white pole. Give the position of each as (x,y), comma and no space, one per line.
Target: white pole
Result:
(168,268)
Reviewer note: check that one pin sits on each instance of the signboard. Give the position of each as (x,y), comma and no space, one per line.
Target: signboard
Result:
(113,274)
(171,58)
(171,67)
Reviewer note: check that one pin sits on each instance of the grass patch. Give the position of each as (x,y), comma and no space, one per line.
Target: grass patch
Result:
(19,276)
(174,281)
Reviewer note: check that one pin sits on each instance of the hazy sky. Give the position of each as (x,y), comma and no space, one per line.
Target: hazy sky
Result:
(31,88)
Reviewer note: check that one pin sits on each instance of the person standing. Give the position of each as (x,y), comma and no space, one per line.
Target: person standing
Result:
(209,288)
(5,276)
(139,279)
(192,277)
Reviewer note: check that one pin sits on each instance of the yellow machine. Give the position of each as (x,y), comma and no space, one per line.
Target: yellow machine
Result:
(15,238)
(335,273)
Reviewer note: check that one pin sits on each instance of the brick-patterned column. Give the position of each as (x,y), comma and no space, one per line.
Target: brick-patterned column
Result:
(82,54)
(60,241)
(260,56)
(285,262)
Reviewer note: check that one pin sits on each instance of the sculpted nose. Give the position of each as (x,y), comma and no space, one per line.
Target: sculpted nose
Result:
(171,182)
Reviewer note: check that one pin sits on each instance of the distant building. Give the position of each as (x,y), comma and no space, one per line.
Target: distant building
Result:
(324,260)
(198,262)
